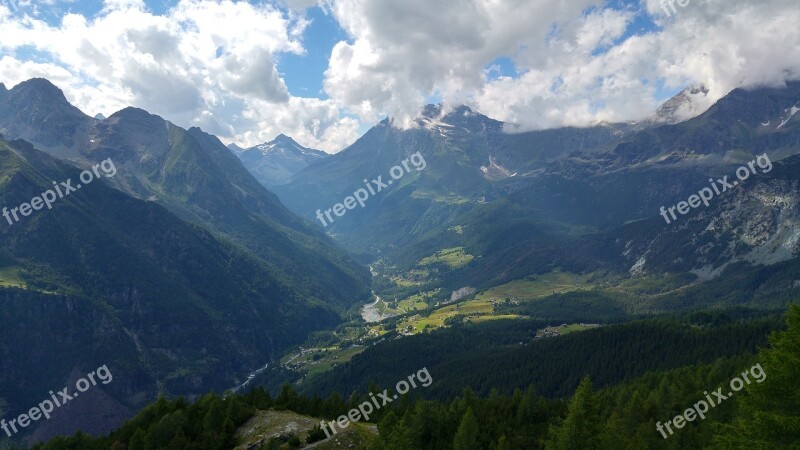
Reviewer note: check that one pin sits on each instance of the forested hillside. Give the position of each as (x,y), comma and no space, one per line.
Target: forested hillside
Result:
(624,416)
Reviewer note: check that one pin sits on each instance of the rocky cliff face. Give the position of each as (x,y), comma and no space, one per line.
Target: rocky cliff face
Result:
(757,223)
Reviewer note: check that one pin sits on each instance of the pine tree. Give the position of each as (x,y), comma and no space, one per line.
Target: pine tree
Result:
(137,441)
(467,434)
(502,444)
(580,430)
(769,412)
(179,442)
(212,421)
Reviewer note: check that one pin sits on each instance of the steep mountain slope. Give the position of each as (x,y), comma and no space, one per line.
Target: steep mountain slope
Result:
(37,110)
(758,222)
(466,155)
(743,123)
(193,175)
(104,278)
(530,202)
(273,163)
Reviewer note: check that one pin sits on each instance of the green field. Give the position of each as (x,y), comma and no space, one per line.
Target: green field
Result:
(419,323)
(337,357)
(453,258)
(417,301)
(481,319)
(536,287)
(440,198)
(10,277)
(318,360)
(420,318)
(481,308)
(386,309)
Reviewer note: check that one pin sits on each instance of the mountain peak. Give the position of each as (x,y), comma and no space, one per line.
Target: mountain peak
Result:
(686,104)
(286,145)
(39,111)
(442,116)
(284,139)
(432,111)
(462,109)
(41,88)
(137,115)
(274,162)
(131,111)
(443,111)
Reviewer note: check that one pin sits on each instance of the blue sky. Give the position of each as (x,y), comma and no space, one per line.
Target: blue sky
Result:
(304,74)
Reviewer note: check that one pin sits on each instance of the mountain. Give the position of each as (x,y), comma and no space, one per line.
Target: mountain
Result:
(273,163)
(39,110)
(181,272)
(755,223)
(523,203)
(741,124)
(105,278)
(467,155)
(475,205)
(193,175)
(683,106)
(235,149)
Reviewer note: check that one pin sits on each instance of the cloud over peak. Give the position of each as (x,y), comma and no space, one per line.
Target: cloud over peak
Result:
(536,63)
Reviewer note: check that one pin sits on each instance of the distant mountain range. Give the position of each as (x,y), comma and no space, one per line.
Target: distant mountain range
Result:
(523,203)
(181,273)
(273,163)
(190,173)
(184,271)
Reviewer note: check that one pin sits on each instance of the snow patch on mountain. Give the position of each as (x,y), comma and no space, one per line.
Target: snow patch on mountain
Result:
(792,111)
(689,103)
(285,146)
(638,266)
(274,163)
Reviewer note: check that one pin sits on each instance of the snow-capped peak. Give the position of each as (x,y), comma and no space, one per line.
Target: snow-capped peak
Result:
(688,103)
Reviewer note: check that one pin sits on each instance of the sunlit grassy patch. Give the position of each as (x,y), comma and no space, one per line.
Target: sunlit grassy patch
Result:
(404,282)
(438,317)
(452,257)
(535,287)
(480,319)
(10,277)
(481,308)
(336,357)
(440,198)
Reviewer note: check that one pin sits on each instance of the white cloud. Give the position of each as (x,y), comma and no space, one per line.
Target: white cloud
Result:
(312,122)
(213,63)
(576,68)
(208,64)
(404,52)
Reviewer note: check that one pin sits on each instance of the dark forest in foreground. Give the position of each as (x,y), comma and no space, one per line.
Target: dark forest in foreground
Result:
(764,415)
